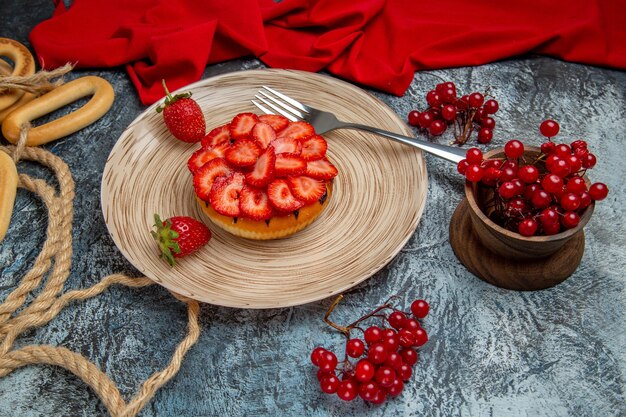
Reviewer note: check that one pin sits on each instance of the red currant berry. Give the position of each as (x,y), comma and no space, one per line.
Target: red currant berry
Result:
(570,202)
(589,161)
(448,95)
(368,390)
(409,356)
(508,174)
(485,135)
(433,98)
(579,144)
(474,156)
(396,319)
(552,183)
(585,200)
(474,173)
(465,99)
(391,343)
(562,150)
(491,106)
(574,162)
(406,338)
(373,334)
(480,115)
(348,390)
(461,167)
(425,119)
(448,112)
(396,388)
(450,84)
(541,199)
(548,216)
(439,87)
(377,353)
(385,376)
(404,372)
(488,122)
(528,227)
(507,190)
(598,191)
(394,359)
(547,148)
(315,355)
(490,176)
(528,173)
(330,383)
(560,167)
(411,324)
(516,207)
(364,370)
(581,153)
(355,347)
(549,128)
(420,308)
(476,100)
(437,127)
(389,333)
(379,398)
(551,228)
(327,361)
(414,118)
(321,374)
(514,149)
(570,220)
(421,337)
(530,190)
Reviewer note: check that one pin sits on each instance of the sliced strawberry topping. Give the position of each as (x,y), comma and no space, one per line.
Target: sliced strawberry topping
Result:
(277,121)
(204,155)
(263,171)
(313,148)
(297,130)
(263,134)
(287,145)
(320,169)
(255,204)
(243,153)
(289,164)
(307,189)
(225,194)
(281,197)
(206,175)
(216,136)
(242,124)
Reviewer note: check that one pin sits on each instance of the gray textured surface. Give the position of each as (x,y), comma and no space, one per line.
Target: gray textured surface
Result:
(557,352)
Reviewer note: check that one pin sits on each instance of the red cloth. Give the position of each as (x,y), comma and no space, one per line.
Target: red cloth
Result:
(377,43)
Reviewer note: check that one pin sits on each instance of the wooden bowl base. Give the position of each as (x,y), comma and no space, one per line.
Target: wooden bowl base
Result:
(513,274)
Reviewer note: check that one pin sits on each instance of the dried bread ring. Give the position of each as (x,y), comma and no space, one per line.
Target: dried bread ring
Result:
(6,69)
(8,189)
(100,102)
(23,65)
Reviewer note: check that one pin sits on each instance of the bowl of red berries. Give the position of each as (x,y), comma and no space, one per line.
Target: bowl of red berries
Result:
(526,208)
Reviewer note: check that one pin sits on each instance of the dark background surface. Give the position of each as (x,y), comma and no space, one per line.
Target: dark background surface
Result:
(557,352)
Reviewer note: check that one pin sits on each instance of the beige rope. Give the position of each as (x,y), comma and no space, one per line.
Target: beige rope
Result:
(38,83)
(54,260)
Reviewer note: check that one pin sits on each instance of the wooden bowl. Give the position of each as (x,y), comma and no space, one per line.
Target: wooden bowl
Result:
(508,259)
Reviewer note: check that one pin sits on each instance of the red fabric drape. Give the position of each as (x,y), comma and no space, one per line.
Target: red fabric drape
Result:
(376,43)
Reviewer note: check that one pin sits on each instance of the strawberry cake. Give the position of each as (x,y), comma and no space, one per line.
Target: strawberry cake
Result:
(262,177)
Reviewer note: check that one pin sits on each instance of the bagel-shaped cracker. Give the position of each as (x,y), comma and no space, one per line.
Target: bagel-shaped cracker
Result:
(23,65)
(100,102)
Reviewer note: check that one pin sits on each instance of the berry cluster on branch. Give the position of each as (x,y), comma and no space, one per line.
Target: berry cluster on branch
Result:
(376,365)
(466,114)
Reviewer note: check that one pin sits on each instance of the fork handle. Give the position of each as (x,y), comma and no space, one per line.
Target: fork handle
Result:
(449,153)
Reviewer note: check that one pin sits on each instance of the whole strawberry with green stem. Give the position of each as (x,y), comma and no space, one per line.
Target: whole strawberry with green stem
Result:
(183,116)
(179,236)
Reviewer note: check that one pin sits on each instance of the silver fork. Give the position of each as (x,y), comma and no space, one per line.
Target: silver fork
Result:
(323,121)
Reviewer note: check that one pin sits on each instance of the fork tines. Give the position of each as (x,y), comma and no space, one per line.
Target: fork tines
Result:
(279,103)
